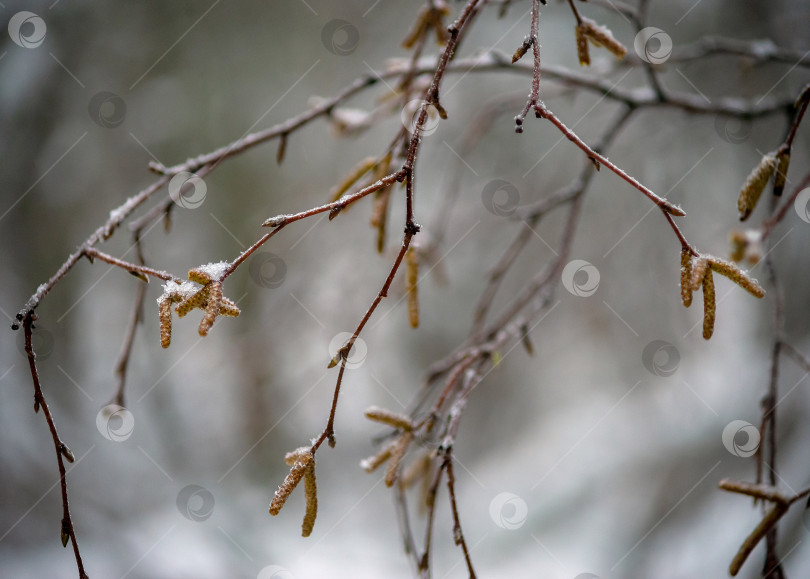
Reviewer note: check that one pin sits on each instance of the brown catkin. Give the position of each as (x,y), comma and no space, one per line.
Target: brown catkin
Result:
(412,260)
(165,314)
(419,28)
(311,491)
(399,421)
(440,10)
(416,470)
(198,300)
(602,36)
(709,306)
(199,276)
(582,46)
(739,244)
(398,452)
(738,276)
(379,215)
(228,308)
(372,463)
(212,307)
(686,277)
(295,475)
(355,175)
(780,178)
(699,267)
(754,185)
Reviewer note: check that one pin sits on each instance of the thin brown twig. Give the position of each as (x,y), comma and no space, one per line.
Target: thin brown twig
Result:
(132,268)
(458,534)
(62,451)
(129,336)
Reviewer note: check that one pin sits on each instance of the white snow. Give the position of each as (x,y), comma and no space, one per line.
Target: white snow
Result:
(185,290)
(214,270)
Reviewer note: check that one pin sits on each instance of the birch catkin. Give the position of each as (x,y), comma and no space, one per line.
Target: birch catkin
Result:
(699,267)
(311,492)
(754,185)
(737,275)
(300,461)
(709,306)
(582,46)
(602,36)
(165,315)
(780,178)
(212,307)
(412,261)
(686,277)
(392,419)
(398,452)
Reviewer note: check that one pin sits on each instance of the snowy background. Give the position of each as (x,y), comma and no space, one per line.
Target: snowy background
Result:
(610,469)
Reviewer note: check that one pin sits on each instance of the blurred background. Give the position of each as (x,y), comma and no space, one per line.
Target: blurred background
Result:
(590,459)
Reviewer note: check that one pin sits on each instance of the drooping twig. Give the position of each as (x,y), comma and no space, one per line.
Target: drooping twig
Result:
(63,453)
